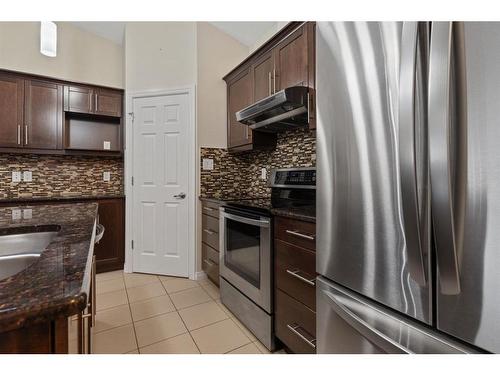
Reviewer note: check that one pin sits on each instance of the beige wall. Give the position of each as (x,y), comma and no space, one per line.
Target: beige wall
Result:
(81,56)
(218,53)
(264,38)
(159,55)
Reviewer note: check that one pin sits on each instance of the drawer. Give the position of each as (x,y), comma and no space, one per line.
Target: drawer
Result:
(210,231)
(210,265)
(300,233)
(295,324)
(295,270)
(210,208)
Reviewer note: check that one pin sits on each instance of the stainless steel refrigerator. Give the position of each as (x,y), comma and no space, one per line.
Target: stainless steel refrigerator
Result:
(408,187)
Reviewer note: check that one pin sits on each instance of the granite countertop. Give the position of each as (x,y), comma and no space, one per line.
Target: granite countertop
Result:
(60,198)
(57,283)
(307,213)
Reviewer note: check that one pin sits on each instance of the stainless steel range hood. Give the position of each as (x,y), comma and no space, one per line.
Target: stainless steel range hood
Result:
(287,109)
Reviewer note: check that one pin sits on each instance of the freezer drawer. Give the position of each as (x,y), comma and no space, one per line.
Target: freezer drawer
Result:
(349,324)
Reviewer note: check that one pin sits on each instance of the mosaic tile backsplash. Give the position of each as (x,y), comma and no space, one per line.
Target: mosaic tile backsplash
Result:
(59,176)
(237,175)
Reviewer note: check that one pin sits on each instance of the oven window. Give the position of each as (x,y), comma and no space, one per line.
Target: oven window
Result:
(243,250)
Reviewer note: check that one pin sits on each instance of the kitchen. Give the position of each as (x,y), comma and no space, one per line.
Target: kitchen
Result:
(275,187)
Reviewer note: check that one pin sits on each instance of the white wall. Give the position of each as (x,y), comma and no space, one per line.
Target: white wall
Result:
(218,53)
(159,55)
(81,56)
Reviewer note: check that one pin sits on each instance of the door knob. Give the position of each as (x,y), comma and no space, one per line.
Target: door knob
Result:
(180,196)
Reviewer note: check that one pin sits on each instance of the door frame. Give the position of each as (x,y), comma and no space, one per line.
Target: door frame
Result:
(192,135)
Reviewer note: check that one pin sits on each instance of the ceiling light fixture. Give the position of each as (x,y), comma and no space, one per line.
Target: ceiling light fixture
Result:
(48,39)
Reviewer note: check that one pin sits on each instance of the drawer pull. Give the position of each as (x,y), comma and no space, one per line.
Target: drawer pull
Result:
(294,233)
(294,328)
(208,231)
(295,273)
(208,209)
(209,262)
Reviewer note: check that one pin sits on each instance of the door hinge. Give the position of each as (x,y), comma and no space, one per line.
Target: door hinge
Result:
(132,115)
(132,244)
(132,180)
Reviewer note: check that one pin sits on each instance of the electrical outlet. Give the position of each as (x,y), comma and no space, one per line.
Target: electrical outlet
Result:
(263,174)
(106,176)
(27,213)
(16,214)
(27,176)
(16,176)
(208,164)
(107,145)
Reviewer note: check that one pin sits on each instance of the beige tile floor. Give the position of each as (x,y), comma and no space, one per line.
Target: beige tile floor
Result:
(148,314)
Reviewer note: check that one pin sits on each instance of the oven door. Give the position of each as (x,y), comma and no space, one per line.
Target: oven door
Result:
(245,254)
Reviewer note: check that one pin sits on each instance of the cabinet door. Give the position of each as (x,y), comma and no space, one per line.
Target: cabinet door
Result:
(108,103)
(291,59)
(262,72)
(43,115)
(11,110)
(78,99)
(239,96)
(110,251)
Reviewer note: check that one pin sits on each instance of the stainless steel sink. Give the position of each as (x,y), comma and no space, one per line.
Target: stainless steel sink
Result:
(18,251)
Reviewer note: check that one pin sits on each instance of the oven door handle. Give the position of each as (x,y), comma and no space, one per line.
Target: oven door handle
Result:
(260,223)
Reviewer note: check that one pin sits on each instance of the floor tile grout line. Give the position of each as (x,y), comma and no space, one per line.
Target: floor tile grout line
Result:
(157,342)
(133,324)
(189,332)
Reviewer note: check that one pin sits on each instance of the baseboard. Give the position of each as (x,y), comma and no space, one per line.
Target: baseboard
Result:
(200,275)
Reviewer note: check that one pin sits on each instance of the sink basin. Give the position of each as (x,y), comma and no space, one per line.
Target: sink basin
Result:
(18,251)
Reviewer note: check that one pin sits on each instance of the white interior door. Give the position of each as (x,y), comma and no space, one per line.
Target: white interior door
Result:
(160,170)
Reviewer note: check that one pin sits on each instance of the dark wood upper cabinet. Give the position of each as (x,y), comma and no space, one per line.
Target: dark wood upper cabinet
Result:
(287,59)
(291,60)
(108,103)
(11,110)
(262,71)
(239,93)
(78,99)
(43,115)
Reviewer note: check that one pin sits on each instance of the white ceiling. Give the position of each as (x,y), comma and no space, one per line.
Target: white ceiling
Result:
(247,33)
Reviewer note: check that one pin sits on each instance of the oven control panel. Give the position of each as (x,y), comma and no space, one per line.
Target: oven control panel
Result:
(296,177)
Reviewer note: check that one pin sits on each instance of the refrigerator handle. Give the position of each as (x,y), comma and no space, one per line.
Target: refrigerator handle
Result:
(447,154)
(407,152)
(340,304)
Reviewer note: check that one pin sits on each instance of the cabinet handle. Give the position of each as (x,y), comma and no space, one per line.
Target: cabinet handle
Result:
(209,262)
(26,134)
(274,80)
(294,328)
(208,209)
(18,134)
(308,107)
(294,233)
(270,87)
(295,273)
(208,231)
(95,103)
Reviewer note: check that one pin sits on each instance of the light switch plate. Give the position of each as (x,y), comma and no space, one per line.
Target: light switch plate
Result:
(107,145)
(16,176)
(16,214)
(27,176)
(106,176)
(208,164)
(263,173)
(27,213)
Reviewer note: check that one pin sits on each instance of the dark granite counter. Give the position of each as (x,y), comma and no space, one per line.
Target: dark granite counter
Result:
(59,198)
(300,213)
(57,283)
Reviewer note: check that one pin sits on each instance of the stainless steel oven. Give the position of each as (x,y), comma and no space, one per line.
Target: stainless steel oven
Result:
(245,256)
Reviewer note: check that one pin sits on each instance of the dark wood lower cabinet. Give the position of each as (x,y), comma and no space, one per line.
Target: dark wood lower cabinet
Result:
(61,335)
(210,240)
(110,251)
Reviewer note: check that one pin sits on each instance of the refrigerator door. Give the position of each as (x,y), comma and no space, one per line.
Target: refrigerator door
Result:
(351,324)
(465,59)
(361,241)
